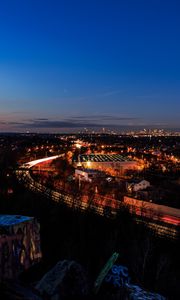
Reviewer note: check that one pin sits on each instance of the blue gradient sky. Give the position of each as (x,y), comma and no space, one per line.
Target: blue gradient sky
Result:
(74,63)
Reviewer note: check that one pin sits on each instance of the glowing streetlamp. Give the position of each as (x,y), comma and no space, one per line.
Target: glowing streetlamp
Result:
(88,164)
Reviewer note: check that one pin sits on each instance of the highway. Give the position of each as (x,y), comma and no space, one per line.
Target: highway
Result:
(23,174)
(100,202)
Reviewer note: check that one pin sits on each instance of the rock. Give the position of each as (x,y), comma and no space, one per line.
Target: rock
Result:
(67,279)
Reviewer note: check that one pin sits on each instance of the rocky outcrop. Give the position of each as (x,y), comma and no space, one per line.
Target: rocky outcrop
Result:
(67,279)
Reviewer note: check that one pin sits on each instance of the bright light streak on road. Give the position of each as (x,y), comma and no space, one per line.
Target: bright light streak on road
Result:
(98,205)
(41,160)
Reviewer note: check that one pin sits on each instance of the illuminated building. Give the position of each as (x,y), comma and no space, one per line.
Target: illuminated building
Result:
(114,164)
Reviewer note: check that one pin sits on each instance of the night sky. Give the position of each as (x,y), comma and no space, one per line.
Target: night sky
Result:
(67,64)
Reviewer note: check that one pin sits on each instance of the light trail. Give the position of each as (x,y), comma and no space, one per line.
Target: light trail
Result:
(100,202)
(41,160)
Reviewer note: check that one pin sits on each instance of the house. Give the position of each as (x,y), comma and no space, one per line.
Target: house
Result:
(88,175)
(137,185)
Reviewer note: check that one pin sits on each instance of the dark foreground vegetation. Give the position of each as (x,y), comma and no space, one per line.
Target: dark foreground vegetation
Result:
(90,240)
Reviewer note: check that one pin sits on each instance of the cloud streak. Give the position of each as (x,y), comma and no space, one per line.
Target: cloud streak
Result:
(78,122)
(60,124)
(103,117)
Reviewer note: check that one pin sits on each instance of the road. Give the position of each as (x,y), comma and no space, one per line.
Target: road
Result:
(23,174)
(99,204)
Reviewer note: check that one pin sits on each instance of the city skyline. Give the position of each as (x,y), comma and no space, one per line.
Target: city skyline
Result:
(68,65)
